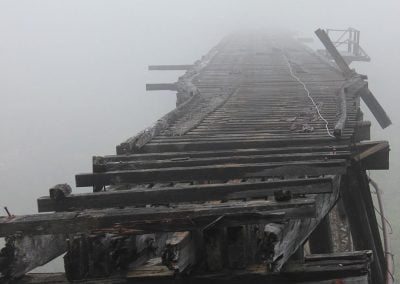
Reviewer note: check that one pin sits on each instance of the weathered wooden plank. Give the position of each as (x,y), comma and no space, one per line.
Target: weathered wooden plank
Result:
(103,255)
(238,144)
(285,132)
(373,156)
(60,191)
(213,172)
(156,272)
(100,165)
(271,235)
(224,153)
(161,218)
(177,194)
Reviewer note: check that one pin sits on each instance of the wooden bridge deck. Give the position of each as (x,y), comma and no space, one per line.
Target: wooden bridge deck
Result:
(240,174)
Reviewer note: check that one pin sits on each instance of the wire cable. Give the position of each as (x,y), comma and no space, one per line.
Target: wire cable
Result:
(308,94)
(385,233)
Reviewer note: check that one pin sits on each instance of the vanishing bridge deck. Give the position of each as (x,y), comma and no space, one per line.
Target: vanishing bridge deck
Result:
(231,184)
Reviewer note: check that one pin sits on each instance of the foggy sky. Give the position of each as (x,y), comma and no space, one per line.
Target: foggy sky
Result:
(73,74)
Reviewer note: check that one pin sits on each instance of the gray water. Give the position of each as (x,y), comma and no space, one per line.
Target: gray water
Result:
(73,74)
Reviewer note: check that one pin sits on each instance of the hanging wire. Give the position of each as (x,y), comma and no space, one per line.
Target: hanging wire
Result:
(389,255)
(308,94)
(386,241)
(384,218)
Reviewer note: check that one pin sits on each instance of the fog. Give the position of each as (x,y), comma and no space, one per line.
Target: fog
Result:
(73,74)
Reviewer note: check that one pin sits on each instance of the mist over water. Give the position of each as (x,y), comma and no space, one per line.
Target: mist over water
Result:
(73,74)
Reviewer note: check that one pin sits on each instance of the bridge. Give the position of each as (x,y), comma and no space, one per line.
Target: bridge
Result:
(258,174)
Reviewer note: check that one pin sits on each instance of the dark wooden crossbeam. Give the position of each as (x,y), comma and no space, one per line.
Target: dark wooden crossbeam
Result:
(214,172)
(237,144)
(156,219)
(177,194)
(101,165)
(24,253)
(224,153)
